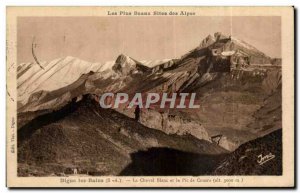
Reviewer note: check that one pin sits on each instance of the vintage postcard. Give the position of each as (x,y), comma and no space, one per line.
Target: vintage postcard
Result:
(150,97)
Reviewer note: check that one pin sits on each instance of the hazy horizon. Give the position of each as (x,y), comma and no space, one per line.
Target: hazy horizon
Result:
(101,39)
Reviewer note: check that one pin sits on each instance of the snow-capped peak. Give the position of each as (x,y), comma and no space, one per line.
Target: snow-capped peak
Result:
(124,65)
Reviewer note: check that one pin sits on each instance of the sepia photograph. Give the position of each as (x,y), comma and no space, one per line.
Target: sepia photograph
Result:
(134,95)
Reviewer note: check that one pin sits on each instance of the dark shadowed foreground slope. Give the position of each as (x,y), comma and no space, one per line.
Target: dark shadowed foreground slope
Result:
(170,162)
(262,156)
(104,142)
(97,142)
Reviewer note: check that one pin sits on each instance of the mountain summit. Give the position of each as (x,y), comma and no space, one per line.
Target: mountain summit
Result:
(126,65)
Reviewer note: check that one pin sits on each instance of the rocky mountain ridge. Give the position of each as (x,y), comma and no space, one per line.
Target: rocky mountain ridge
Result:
(232,90)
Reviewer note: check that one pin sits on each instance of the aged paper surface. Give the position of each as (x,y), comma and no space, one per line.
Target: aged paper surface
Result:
(150,97)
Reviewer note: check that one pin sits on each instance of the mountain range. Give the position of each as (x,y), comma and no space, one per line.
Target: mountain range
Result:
(60,126)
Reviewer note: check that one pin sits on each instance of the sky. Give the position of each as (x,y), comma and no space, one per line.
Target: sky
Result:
(101,39)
